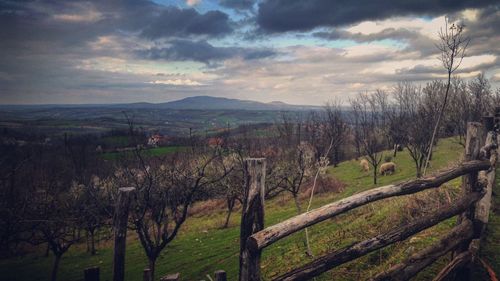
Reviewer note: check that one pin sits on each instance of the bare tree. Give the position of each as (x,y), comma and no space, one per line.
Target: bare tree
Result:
(295,166)
(232,184)
(336,129)
(315,132)
(368,129)
(452,46)
(482,97)
(16,187)
(416,114)
(460,108)
(96,209)
(165,190)
(54,208)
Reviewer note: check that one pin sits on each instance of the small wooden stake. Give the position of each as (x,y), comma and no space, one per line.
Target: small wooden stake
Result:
(220,275)
(147,274)
(91,274)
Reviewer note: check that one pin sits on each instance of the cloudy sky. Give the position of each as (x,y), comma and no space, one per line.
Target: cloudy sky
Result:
(296,51)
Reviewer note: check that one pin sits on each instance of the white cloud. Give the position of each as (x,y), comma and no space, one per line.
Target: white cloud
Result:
(177,82)
(428,28)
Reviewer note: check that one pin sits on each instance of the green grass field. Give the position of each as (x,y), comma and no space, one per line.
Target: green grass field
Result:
(203,247)
(150,152)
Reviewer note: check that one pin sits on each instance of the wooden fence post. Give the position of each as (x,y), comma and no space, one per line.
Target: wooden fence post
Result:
(220,275)
(473,143)
(91,274)
(146,276)
(252,218)
(482,208)
(120,231)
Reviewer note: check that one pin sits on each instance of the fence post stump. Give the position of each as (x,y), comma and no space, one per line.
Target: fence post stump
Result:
(91,274)
(252,218)
(120,231)
(220,275)
(147,275)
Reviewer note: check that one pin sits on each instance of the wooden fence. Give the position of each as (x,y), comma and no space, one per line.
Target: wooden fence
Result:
(478,174)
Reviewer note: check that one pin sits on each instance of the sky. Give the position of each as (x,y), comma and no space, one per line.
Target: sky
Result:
(295,51)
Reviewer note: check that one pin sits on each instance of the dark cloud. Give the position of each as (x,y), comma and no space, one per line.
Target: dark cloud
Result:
(484,32)
(415,40)
(202,51)
(87,50)
(77,22)
(237,4)
(388,33)
(176,22)
(299,15)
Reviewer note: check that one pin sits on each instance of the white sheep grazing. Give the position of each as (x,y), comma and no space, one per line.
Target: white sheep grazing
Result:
(365,166)
(387,168)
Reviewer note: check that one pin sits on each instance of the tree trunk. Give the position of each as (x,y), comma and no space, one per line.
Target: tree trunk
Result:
(374,174)
(47,250)
(230,206)
(419,169)
(152,263)
(92,242)
(87,242)
(336,157)
(55,266)
(297,203)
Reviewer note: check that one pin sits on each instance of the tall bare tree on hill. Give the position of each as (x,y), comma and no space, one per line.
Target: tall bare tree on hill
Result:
(452,46)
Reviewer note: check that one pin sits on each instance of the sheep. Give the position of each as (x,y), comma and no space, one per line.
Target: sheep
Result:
(387,168)
(365,167)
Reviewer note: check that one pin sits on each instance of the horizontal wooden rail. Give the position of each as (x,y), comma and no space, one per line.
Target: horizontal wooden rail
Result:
(274,233)
(418,261)
(362,248)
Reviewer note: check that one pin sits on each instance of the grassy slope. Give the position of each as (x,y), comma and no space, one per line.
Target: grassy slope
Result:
(202,247)
(149,152)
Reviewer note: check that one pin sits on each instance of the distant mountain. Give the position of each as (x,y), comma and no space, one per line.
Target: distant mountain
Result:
(217,103)
(190,103)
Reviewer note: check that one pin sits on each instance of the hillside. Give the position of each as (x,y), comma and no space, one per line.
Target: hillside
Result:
(202,247)
(189,103)
(202,114)
(218,103)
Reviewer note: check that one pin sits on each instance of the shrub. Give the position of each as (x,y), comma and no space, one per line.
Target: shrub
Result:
(324,184)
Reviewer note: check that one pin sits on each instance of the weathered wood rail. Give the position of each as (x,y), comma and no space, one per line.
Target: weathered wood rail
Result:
(477,172)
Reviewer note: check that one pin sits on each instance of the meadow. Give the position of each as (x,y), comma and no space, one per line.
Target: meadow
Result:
(149,152)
